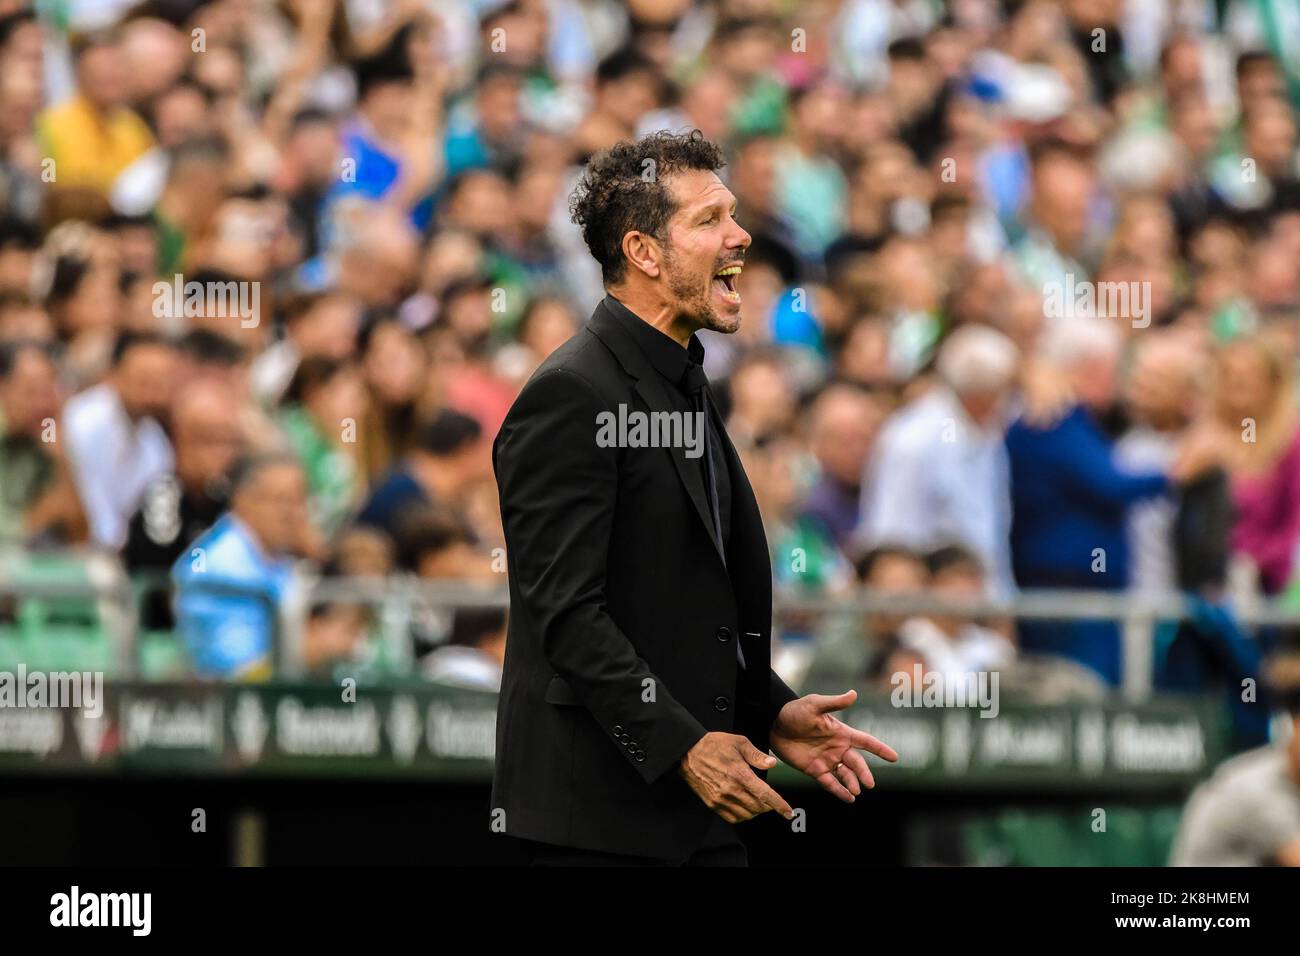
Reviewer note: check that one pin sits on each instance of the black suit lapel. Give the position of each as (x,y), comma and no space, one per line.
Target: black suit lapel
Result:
(654,393)
(747,553)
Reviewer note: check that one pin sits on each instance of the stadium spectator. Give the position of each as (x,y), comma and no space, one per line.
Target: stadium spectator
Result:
(19,245)
(95,135)
(626,87)
(450,456)
(343,638)
(1248,813)
(387,144)
(1260,438)
(843,422)
(853,647)
(237,578)
(186,211)
(84,297)
(547,323)
(763,397)
(947,645)
(1055,231)
(1071,500)
(1161,399)
(178,506)
(473,655)
(811,184)
(22,318)
(322,406)
(116,442)
(37,497)
(437,544)
(394,363)
(320,324)
(938,474)
(804,555)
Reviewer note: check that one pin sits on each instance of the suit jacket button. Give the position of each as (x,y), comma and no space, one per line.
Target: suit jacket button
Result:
(618,729)
(639,756)
(721,703)
(724,634)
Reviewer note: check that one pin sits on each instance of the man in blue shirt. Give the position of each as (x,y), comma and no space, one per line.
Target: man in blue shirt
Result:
(1070,501)
(234,578)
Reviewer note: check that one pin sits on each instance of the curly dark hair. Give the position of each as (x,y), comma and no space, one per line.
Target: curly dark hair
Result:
(623,190)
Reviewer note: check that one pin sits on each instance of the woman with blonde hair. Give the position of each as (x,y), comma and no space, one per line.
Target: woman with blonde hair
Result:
(1255,407)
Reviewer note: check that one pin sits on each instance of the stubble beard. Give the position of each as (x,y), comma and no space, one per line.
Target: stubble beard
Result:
(694,299)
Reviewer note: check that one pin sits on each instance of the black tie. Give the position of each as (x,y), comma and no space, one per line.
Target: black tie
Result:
(694,381)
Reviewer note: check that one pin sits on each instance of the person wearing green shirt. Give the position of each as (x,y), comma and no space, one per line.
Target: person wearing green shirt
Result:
(322,406)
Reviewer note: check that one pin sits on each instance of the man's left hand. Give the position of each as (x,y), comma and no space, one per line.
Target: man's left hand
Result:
(809,738)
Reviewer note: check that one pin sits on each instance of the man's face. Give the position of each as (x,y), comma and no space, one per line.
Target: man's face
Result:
(146,380)
(390,106)
(1270,139)
(102,76)
(30,394)
(1062,193)
(960,582)
(16,269)
(1158,390)
(1096,380)
(316,146)
(894,574)
(206,438)
(755,175)
(274,505)
(471,464)
(329,329)
(704,252)
(844,426)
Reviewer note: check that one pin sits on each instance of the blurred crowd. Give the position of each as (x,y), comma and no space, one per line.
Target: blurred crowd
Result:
(1022,308)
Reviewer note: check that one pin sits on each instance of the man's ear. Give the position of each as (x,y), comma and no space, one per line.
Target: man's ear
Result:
(643,252)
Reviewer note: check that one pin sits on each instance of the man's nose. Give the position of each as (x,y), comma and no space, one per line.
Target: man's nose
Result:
(740,239)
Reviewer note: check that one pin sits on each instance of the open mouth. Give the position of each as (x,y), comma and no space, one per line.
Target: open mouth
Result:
(724,283)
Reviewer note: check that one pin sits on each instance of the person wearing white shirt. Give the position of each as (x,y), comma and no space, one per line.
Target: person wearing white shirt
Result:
(115,443)
(948,645)
(939,473)
(1160,393)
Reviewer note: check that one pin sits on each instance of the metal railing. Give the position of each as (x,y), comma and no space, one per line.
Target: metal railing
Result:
(1136,614)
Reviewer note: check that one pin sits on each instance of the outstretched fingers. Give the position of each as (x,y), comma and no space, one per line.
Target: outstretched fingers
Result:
(857,763)
(831,785)
(862,740)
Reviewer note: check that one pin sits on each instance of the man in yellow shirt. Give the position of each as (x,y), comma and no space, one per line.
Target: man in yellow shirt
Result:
(93,136)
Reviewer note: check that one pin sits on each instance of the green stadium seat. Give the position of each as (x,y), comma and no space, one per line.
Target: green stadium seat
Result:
(57,633)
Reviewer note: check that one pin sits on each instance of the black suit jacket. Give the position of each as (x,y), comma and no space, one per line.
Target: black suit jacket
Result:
(624,617)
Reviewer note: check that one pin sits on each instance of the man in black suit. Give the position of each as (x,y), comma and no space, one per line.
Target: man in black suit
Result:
(638,703)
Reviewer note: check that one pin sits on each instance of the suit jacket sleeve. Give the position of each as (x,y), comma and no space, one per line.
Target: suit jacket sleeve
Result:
(780,696)
(558,492)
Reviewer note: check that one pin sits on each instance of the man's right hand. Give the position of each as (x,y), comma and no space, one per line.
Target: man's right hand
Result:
(719,770)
